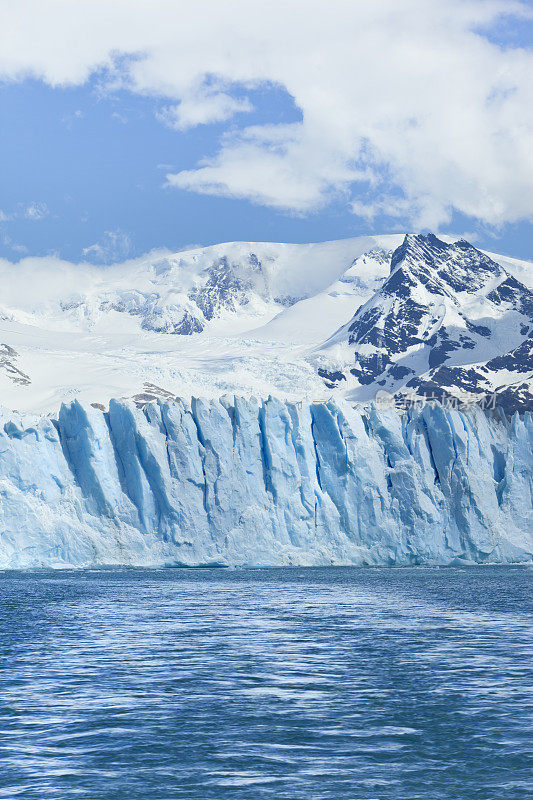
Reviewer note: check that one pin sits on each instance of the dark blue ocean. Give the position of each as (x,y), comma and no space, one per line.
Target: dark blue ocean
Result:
(342,683)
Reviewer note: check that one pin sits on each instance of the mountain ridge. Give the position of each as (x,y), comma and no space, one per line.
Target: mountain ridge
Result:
(444,307)
(266,318)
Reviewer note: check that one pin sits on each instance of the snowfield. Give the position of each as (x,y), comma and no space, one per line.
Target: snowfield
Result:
(251,318)
(98,333)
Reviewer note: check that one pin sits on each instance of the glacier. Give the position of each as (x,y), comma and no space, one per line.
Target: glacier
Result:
(241,481)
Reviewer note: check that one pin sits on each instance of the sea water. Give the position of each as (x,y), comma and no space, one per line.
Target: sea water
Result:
(341,683)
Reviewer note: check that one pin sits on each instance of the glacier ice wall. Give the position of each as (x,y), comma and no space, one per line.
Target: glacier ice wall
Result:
(263,482)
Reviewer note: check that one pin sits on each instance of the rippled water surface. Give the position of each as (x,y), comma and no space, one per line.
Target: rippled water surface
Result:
(350,684)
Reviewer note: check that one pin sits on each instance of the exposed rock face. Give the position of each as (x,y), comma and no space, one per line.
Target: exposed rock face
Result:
(448,318)
(8,359)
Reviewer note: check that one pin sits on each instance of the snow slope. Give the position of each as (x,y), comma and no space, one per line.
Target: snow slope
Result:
(446,320)
(253,318)
(97,333)
(237,481)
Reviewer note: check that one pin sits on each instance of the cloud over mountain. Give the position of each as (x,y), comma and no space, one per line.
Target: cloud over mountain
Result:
(410,107)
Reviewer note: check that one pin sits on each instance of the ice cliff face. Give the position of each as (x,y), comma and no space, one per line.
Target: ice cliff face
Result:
(249,482)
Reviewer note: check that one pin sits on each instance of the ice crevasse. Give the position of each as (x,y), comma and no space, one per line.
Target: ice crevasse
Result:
(249,482)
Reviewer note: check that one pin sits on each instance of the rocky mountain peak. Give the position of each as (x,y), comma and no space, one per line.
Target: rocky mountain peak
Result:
(439,319)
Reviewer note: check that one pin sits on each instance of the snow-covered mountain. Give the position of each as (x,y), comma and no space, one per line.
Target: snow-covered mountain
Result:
(448,320)
(180,293)
(375,314)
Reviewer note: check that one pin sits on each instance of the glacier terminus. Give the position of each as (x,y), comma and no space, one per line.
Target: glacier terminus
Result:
(238,481)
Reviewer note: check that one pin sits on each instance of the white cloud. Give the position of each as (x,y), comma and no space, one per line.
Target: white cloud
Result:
(7,241)
(70,118)
(269,165)
(202,107)
(115,246)
(406,106)
(122,118)
(35,211)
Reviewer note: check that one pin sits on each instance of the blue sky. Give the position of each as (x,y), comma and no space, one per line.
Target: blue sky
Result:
(258,150)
